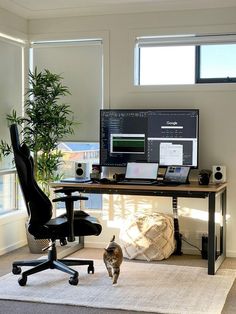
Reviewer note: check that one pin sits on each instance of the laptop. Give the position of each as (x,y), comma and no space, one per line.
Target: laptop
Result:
(176,175)
(140,173)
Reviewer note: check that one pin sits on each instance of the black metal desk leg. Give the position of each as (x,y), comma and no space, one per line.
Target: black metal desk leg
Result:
(223,228)
(211,234)
(178,235)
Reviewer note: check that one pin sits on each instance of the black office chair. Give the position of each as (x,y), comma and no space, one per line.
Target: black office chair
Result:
(41,224)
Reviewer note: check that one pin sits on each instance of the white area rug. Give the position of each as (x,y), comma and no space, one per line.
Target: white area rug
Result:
(142,286)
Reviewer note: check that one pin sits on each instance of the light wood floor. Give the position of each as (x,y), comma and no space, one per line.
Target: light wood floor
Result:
(186,260)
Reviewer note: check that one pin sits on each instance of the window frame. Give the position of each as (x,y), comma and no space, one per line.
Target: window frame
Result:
(95,200)
(199,80)
(183,40)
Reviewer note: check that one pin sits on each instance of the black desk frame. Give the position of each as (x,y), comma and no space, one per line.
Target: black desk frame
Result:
(214,261)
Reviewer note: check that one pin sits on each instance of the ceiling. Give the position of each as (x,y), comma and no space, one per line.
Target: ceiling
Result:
(31,9)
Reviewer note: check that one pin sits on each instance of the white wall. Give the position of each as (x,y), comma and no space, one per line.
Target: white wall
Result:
(13,25)
(216,102)
(12,232)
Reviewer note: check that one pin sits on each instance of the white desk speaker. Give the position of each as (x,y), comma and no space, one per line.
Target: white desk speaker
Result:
(81,170)
(218,174)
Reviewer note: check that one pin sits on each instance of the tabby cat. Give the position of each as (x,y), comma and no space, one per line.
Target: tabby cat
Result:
(113,257)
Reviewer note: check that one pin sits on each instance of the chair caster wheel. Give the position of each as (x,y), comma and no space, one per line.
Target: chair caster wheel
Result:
(63,242)
(91,270)
(16,270)
(73,281)
(22,281)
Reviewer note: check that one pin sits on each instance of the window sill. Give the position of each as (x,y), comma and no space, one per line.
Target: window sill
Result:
(219,87)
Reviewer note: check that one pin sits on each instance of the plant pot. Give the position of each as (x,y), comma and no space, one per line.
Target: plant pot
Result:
(35,245)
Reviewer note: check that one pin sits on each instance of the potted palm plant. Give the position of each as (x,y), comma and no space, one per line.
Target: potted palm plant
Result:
(47,120)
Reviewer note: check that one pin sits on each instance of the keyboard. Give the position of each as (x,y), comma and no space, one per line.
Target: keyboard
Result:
(165,183)
(137,182)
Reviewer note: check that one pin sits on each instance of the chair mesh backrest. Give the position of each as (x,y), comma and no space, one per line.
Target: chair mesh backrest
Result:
(38,204)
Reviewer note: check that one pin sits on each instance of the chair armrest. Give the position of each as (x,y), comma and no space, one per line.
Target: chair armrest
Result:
(69,202)
(69,191)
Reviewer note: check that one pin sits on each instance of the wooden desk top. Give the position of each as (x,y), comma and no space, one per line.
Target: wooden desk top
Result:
(192,187)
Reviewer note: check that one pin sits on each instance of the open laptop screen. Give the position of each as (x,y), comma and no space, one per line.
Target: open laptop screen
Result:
(140,170)
(177,174)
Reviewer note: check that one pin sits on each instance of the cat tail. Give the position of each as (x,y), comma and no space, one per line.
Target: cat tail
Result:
(113,238)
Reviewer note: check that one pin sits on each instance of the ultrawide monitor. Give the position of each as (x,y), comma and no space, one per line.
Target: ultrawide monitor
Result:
(166,136)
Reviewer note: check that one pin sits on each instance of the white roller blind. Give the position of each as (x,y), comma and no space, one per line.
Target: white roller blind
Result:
(10,81)
(80,65)
(155,41)
(10,87)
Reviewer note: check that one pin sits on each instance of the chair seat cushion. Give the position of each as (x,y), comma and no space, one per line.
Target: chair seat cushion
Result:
(57,228)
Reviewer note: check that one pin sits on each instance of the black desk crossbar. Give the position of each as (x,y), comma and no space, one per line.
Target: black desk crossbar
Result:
(191,194)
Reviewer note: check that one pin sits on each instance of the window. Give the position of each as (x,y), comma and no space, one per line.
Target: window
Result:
(80,63)
(186,59)
(10,194)
(11,91)
(167,65)
(83,153)
(216,63)
(82,72)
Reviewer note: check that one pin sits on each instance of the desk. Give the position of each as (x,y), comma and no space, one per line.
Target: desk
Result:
(192,190)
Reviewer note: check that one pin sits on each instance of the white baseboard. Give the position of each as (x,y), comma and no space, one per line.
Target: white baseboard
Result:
(230,254)
(102,245)
(12,247)
(95,245)
(185,250)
